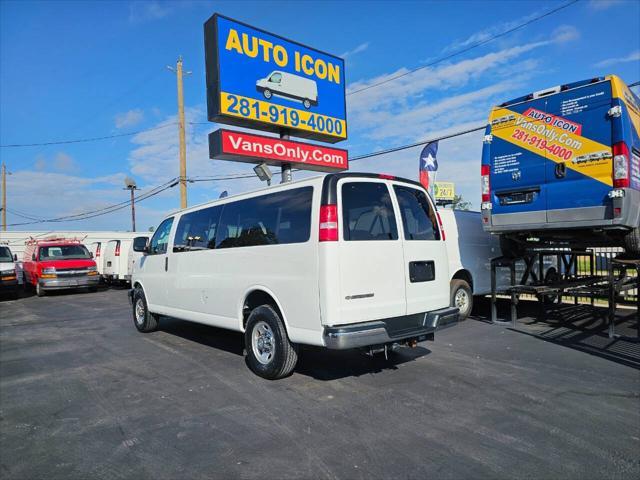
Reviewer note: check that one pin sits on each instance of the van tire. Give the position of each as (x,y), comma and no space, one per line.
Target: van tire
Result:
(39,291)
(462,298)
(263,322)
(143,319)
(307,103)
(267,93)
(632,241)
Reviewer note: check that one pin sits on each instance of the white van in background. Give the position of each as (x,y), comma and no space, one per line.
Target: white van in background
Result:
(116,261)
(470,250)
(96,250)
(341,261)
(134,257)
(289,85)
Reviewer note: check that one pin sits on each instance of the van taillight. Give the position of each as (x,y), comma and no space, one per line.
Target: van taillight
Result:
(98,251)
(328,223)
(620,165)
(485,183)
(117,249)
(444,236)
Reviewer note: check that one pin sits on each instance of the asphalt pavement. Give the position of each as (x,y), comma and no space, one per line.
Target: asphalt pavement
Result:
(84,395)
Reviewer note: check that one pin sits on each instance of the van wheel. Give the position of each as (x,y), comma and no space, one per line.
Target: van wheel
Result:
(632,241)
(39,290)
(461,298)
(307,103)
(267,93)
(270,354)
(143,319)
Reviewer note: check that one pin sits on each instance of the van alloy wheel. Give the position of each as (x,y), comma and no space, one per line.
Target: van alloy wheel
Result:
(262,342)
(307,104)
(140,312)
(461,300)
(267,93)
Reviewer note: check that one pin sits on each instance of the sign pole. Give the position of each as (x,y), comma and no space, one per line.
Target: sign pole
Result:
(287,176)
(4,197)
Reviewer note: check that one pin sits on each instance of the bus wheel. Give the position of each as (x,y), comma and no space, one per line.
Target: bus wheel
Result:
(307,103)
(267,93)
(632,241)
(270,353)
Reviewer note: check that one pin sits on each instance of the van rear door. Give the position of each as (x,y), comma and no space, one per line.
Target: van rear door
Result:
(517,172)
(579,157)
(426,268)
(371,261)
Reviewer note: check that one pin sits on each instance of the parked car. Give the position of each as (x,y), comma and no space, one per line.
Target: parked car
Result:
(116,261)
(8,272)
(342,261)
(59,264)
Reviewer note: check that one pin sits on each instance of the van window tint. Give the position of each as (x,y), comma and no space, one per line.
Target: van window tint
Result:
(197,230)
(367,212)
(160,239)
(277,218)
(418,218)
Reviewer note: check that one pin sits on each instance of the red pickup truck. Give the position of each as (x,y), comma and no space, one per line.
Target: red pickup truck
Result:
(59,264)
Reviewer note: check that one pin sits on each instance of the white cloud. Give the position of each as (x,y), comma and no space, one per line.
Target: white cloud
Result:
(360,48)
(129,118)
(604,4)
(632,57)
(148,10)
(63,162)
(565,33)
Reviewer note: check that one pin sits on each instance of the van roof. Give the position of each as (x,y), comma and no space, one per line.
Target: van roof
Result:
(328,188)
(563,88)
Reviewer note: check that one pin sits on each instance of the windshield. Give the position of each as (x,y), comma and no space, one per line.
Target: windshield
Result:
(64,252)
(5,255)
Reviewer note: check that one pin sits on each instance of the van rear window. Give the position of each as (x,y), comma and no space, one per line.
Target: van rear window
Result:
(418,218)
(367,212)
(276,218)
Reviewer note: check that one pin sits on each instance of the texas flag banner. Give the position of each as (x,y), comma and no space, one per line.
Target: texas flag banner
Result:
(428,162)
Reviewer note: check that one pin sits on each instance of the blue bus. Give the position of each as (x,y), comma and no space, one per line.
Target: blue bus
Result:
(561,167)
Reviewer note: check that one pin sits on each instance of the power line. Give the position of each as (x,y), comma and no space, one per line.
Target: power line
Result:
(464,50)
(84,140)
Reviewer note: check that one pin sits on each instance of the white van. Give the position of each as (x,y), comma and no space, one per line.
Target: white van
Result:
(289,85)
(470,250)
(116,261)
(341,261)
(134,256)
(96,249)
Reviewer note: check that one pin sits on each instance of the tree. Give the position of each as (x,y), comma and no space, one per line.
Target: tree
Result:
(460,203)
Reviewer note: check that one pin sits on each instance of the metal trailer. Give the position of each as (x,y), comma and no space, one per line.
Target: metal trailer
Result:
(572,280)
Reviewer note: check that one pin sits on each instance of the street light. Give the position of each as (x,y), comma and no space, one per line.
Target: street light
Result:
(130,184)
(263,173)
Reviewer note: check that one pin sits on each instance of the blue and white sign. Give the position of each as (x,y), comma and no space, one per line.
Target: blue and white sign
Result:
(259,80)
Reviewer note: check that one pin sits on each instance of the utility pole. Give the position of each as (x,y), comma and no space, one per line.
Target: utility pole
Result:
(4,197)
(130,184)
(181,133)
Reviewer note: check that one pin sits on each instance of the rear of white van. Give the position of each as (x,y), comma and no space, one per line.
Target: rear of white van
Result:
(384,275)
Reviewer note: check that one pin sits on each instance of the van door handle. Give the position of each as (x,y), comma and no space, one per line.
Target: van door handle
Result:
(166,264)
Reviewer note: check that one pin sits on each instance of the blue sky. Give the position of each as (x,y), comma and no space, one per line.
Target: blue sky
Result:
(85,69)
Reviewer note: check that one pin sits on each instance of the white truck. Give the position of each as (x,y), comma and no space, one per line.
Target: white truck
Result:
(289,85)
(349,260)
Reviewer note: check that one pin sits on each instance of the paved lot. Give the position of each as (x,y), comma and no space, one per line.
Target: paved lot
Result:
(84,395)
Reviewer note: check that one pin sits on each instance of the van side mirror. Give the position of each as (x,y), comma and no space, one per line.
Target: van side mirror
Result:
(15,257)
(33,257)
(140,244)
(91,254)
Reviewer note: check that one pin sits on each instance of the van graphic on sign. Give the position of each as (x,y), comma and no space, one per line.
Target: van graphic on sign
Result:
(289,85)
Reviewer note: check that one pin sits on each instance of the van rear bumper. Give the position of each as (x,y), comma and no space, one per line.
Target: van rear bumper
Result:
(421,326)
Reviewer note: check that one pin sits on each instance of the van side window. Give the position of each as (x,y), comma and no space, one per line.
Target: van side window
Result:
(160,239)
(197,230)
(418,218)
(367,212)
(276,78)
(277,218)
